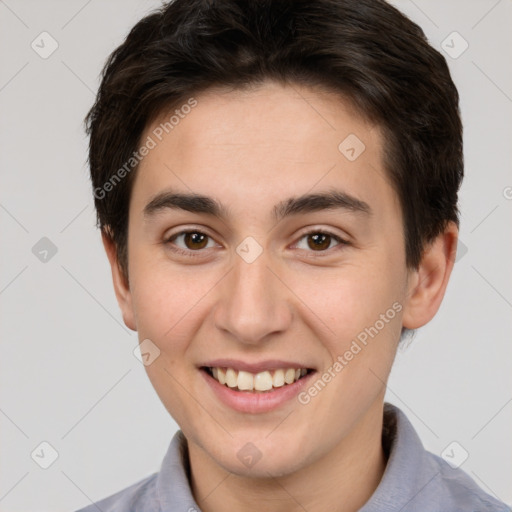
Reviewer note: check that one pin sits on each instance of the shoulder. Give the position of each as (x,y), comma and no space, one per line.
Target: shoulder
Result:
(138,497)
(456,487)
(416,479)
(167,489)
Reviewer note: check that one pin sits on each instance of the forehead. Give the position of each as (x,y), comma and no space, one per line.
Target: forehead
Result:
(261,144)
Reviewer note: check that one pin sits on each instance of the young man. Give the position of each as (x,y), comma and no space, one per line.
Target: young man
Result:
(276,185)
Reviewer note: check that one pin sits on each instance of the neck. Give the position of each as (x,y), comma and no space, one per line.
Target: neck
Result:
(343,479)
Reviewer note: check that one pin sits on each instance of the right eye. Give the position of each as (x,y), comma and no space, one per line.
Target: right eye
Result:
(193,240)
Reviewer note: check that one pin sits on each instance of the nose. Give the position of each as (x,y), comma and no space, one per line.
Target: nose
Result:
(253,301)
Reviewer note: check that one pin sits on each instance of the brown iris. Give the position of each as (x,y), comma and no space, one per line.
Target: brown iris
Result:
(195,237)
(321,241)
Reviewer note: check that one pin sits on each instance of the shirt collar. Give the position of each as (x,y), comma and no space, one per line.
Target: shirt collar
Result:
(172,485)
(407,472)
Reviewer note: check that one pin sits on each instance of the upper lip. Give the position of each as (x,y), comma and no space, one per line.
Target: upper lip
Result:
(256,367)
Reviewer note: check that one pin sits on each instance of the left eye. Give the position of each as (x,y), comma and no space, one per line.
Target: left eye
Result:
(320,241)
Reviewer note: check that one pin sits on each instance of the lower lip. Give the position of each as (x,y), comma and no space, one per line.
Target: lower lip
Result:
(255,402)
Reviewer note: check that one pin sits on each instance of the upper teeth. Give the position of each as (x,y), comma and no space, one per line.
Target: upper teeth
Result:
(262,381)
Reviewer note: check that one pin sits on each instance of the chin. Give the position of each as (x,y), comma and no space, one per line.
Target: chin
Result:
(262,458)
(269,466)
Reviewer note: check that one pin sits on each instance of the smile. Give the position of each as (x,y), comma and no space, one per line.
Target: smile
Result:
(261,382)
(255,387)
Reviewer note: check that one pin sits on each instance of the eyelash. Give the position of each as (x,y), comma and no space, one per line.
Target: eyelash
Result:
(190,253)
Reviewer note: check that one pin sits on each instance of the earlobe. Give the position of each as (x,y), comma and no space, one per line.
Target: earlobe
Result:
(427,284)
(121,285)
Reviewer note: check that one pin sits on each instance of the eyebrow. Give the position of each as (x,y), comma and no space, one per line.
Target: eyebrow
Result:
(307,203)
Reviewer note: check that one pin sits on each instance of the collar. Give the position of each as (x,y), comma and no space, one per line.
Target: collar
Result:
(414,479)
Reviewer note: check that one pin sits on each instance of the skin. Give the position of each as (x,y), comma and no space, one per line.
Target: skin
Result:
(250,150)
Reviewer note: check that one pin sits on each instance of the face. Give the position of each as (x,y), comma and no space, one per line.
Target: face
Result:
(267,283)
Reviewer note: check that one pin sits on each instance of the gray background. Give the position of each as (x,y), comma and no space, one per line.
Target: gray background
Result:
(68,375)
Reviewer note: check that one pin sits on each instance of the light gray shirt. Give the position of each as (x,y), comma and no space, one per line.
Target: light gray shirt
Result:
(414,480)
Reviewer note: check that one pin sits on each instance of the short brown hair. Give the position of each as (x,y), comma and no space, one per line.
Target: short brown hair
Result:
(366,50)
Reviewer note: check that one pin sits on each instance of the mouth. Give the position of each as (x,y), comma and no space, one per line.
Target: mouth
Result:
(266,381)
(256,387)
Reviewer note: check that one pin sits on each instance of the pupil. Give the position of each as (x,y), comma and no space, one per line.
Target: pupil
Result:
(195,238)
(320,237)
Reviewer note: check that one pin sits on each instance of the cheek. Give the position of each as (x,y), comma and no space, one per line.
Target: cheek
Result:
(168,310)
(363,309)
(349,300)
(365,315)
(170,304)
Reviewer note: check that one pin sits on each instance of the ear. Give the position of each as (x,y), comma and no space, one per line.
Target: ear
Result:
(121,285)
(427,284)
